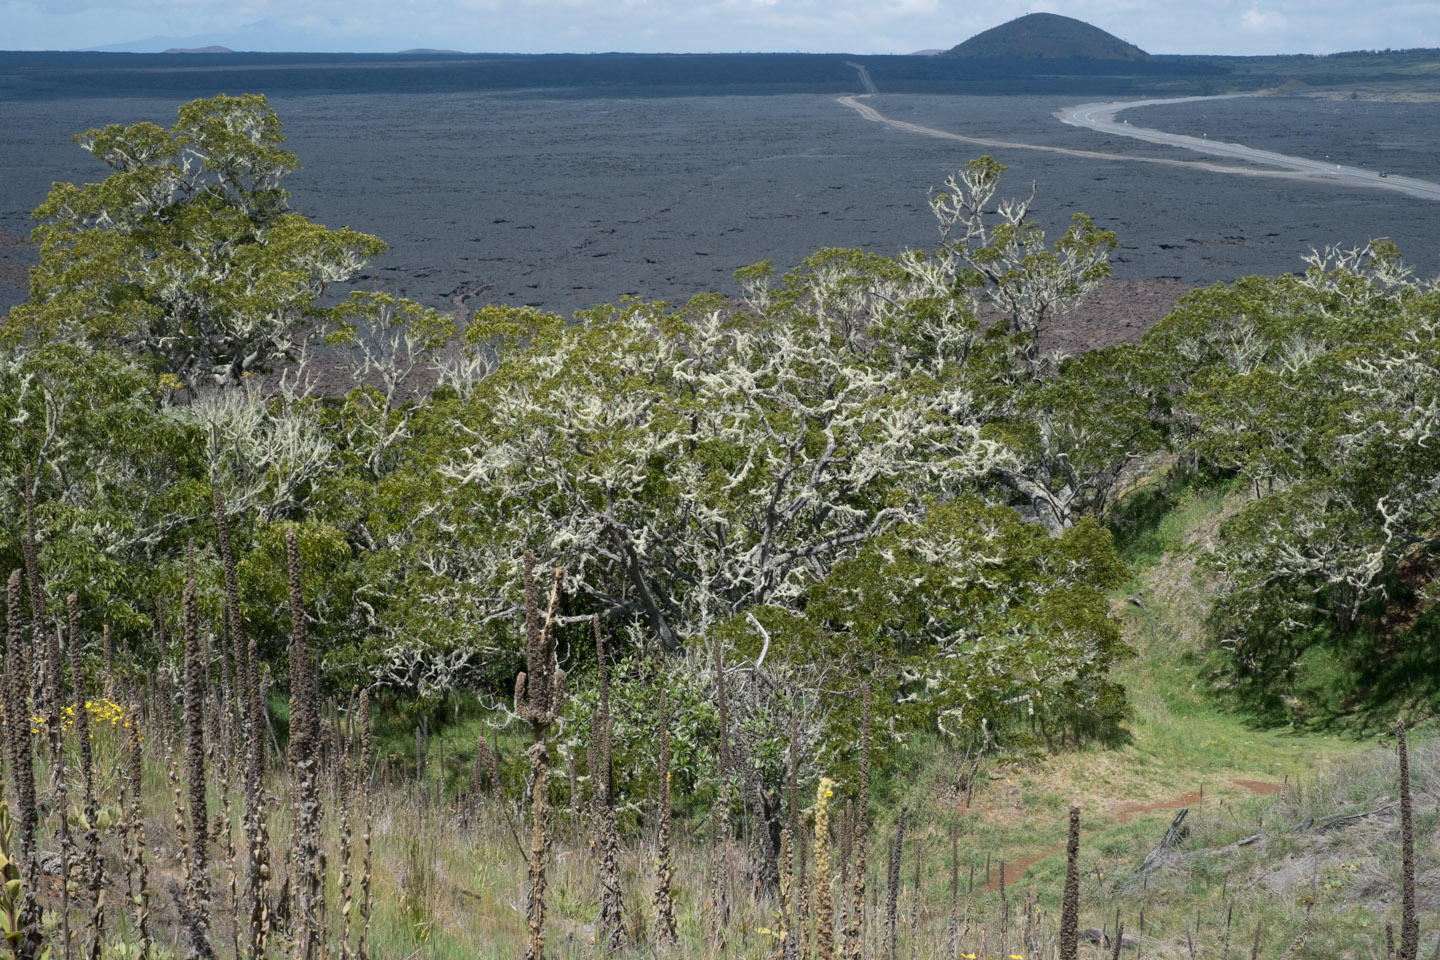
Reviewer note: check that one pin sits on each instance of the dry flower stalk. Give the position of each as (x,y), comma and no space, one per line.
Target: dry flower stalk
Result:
(136,834)
(21,760)
(824,910)
(1070,905)
(197,891)
(611,923)
(18,729)
(892,895)
(1409,922)
(539,696)
(308,881)
(48,690)
(93,873)
(664,896)
(855,929)
(366,760)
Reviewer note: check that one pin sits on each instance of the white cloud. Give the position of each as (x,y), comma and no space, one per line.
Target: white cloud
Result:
(1256,20)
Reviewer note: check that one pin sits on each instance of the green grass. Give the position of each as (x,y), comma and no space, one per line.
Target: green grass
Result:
(1185,736)
(449,890)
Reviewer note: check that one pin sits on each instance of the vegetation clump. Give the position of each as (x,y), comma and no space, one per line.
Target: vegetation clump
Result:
(855,517)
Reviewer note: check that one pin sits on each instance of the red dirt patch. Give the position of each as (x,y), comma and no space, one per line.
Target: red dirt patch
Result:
(1014,871)
(1194,798)
(1132,810)
(1124,814)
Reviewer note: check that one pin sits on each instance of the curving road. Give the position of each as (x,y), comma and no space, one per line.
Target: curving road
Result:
(1101,117)
(865,81)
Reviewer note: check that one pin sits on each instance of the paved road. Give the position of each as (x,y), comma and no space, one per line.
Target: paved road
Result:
(1100,116)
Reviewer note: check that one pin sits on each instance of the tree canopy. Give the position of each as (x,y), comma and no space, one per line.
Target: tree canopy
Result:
(187,255)
(866,468)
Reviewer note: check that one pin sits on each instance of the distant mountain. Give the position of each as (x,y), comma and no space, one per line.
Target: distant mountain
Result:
(1047,36)
(430,52)
(260,35)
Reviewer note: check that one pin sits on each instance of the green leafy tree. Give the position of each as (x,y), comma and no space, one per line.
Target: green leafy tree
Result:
(1321,392)
(187,254)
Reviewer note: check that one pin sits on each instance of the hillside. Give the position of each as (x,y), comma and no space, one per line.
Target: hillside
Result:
(1047,36)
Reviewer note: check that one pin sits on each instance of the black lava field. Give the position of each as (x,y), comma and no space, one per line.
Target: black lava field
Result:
(580,191)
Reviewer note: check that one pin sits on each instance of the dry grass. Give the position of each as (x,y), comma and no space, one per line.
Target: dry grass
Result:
(399,868)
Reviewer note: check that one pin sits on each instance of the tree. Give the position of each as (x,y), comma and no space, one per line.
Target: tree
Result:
(187,254)
(686,466)
(1008,263)
(113,474)
(1323,393)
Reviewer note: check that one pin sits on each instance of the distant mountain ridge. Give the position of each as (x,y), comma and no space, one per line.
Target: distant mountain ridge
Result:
(1047,36)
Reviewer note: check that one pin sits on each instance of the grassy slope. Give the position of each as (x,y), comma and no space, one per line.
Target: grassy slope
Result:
(449,891)
(1182,741)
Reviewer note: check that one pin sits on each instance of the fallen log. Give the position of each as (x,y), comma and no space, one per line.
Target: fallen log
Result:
(1349,820)
(1176,833)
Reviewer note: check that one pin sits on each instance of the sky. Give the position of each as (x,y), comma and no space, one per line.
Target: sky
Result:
(699,26)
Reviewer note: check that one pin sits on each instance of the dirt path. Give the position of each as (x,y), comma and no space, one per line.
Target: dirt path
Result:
(1015,869)
(1100,117)
(1182,748)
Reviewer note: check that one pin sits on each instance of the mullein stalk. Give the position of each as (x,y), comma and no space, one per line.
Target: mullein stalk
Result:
(93,871)
(244,666)
(611,924)
(1070,905)
(225,834)
(181,829)
(17,722)
(136,819)
(47,692)
(486,763)
(802,891)
(364,776)
(348,804)
(198,890)
(720,813)
(824,910)
(852,944)
(108,648)
(786,947)
(55,726)
(227,724)
(892,895)
(539,696)
(953,933)
(1409,922)
(257,835)
(792,828)
(664,896)
(304,727)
